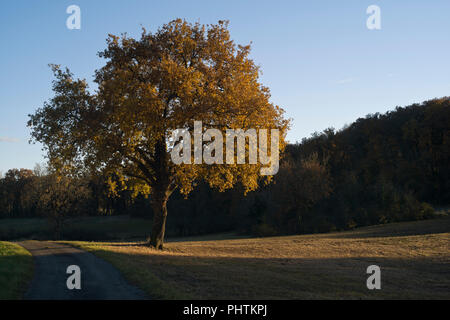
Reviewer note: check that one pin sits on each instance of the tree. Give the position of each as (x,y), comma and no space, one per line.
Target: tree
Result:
(147,89)
(59,198)
(17,186)
(300,184)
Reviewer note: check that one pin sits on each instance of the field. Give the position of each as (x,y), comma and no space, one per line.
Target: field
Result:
(414,258)
(16,269)
(81,228)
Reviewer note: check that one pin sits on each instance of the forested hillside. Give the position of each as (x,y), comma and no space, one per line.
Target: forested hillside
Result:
(381,168)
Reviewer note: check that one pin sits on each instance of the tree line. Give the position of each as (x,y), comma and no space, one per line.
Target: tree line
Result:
(381,168)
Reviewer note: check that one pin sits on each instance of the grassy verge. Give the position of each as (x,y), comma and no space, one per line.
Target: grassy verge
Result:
(414,258)
(16,270)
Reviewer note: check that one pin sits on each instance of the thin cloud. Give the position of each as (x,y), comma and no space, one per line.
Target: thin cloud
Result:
(346,80)
(9,139)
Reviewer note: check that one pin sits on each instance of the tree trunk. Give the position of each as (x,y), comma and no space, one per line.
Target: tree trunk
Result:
(58,228)
(160,194)
(159,222)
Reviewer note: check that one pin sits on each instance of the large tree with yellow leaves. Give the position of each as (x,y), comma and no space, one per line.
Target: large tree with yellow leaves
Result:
(148,88)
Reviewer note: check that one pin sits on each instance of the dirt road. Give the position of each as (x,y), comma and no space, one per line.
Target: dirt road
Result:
(99,279)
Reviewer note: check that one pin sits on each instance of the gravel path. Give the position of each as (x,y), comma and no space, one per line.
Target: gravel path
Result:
(99,279)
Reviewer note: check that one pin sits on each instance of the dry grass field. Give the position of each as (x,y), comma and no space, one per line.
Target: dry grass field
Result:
(414,258)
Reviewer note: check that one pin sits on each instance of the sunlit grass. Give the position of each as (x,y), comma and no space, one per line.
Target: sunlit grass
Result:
(325,266)
(16,270)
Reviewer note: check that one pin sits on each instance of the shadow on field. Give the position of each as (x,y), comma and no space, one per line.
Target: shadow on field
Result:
(291,278)
(208,237)
(399,229)
(319,266)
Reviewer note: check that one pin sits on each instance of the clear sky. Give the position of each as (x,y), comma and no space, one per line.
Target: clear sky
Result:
(321,62)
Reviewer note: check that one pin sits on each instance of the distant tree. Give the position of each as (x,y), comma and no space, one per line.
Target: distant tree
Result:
(300,184)
(17,187)
(148,88)
(60,198)
(40,170)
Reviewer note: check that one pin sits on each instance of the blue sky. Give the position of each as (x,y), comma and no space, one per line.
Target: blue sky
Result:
(322,64)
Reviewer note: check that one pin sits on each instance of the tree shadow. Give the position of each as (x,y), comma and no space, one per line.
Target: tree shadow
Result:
(296,278)
(400,229)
